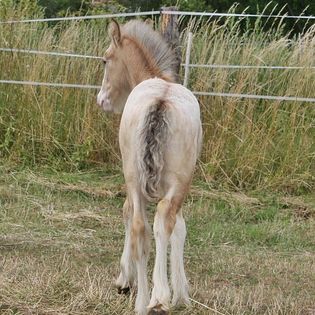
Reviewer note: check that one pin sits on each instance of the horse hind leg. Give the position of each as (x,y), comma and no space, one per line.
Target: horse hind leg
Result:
(178,277)
(164,222)
(127,265)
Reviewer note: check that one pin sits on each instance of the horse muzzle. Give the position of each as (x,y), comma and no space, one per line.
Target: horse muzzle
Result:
(104,102)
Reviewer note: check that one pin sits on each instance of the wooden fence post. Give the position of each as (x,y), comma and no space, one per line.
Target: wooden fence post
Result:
(169,30)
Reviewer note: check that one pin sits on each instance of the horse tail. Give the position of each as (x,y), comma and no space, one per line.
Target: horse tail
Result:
(153,137)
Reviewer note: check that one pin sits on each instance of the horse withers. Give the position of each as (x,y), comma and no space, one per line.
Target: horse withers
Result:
(160,138)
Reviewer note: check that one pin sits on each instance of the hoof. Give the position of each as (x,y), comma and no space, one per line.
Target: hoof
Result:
(124,291)
(158,310)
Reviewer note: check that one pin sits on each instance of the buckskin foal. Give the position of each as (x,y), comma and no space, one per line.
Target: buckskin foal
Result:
(160,139)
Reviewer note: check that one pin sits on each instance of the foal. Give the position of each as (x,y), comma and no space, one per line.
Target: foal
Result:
(160,139)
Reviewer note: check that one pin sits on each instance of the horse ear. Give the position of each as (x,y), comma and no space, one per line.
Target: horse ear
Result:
(114,32)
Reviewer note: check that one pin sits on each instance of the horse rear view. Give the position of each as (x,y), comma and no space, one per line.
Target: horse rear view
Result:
(160,139)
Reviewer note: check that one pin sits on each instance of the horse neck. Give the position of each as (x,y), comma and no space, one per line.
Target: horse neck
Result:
(139,67)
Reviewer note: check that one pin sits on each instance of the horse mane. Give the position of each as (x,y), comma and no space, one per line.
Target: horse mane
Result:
(163,56)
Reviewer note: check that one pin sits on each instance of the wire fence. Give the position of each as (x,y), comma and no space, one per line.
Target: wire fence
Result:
(152,13)
(85,17)
(266,67)
(50,84)
(197,93)
(47,53)
(187,64)
(244,15)
(211,66)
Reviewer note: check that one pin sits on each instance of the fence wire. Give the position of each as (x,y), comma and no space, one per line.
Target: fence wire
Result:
(181,13)
(48,53)
(197,93)
(212,66)
(49,84)
(85,17)
(209,14)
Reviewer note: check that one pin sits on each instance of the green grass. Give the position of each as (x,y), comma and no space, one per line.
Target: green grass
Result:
(62,236)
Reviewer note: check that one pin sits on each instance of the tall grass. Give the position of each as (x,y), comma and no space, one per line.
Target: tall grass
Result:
(247,143)
(256,142)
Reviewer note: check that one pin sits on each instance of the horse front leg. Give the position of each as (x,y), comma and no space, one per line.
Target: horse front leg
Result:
(127,274)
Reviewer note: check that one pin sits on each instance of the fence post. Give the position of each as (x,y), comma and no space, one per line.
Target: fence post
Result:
(169,30)
(187,61)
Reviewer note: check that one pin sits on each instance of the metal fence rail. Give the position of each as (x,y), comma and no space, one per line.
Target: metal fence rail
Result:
(197,93)
(85,17)
(219,66)
(187,65)
(259,97)
(47,53)
(212,66)
(183,13)
(210,14)
(49,84)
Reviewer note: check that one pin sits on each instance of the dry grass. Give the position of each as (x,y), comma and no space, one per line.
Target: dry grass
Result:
(247,282)
(60,249)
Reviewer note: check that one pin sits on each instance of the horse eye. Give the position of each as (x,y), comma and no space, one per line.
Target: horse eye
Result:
(104,61)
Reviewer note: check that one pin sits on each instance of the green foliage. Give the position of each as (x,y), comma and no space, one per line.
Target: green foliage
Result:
(11,9)
(62,7)
(78,7)
(144,5)
(110,6)
(293,7)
